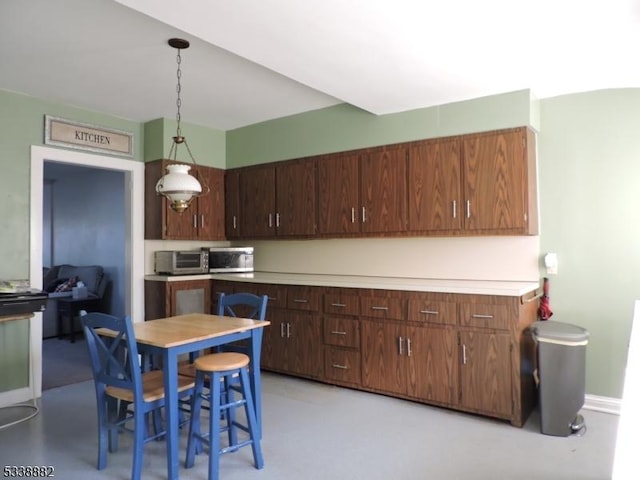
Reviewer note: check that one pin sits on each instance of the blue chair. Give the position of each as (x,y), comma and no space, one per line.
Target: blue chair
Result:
(121,384)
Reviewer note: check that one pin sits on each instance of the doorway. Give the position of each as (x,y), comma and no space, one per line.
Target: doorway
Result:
(133,282)
(83,225)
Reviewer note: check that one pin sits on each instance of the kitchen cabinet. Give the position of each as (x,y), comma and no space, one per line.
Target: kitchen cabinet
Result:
(418,362)
(341,336)
(232,204)
(435,186)
(499,182)
(363,192)
(462,351)
(203,220)
(166,299)
(258,201)
(474,184)
(485,373)
(383,190)
(279,200)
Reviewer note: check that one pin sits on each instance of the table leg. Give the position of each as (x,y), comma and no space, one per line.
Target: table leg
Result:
(170,368)
(254,378)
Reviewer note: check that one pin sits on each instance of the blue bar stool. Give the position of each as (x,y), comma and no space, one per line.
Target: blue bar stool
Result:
(221,368)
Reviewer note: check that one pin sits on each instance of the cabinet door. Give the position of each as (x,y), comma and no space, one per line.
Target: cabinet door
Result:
(210,217)
(383,184)
(296,198)
(338,194)
(485,372)
(384,365)
(232,203)
(435,188)
(190,296)
(494,180)
(257,190)
(304,335)
(433,372)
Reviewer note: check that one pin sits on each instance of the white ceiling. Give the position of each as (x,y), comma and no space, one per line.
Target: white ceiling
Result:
(255,60)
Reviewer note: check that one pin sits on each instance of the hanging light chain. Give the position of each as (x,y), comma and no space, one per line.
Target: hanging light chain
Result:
(178,91)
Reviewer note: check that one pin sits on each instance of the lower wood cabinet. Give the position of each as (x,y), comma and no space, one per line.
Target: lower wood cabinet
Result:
(166,299)
(461,351)
(418,362)
(486,373)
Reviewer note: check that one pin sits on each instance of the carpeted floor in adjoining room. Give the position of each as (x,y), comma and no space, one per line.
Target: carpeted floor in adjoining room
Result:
(64,363)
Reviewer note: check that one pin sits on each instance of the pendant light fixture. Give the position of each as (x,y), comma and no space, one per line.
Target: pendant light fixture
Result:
(177,185)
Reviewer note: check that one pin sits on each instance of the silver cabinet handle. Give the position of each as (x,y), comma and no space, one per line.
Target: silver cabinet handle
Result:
(335,365)
(364,214)
(277,219)
(468,208)
(288,330)
(379,308)
(300,300)
(353,215)
(201,221)
(477,315)
(429,312)
(341,305)
(408,347)
(400,349)
(195,221)
(337,332)
(454,208)
(270,220)
(234,222)
(281,330)
(273,299)
(464,354)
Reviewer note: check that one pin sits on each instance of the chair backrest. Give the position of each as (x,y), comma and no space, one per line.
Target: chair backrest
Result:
(245,305)
(114,361)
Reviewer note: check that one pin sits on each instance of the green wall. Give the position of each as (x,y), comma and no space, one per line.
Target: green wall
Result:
(344,127)
(589,169)
(206,145)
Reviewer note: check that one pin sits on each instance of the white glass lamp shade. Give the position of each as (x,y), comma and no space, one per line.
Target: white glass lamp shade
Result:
(178,186)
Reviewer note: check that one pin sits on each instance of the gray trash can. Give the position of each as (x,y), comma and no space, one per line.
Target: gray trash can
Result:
(561,374)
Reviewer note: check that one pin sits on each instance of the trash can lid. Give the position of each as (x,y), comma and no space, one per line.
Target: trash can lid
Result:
(558,332)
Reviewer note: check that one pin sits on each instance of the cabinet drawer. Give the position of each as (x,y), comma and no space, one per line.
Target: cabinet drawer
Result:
(341,305)
(428,311)
(342,332)
(342,365)
(379,307)
(485,316)
(303,298)
(277,295)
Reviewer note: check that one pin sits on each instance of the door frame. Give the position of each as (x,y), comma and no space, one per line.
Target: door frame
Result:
(134,238)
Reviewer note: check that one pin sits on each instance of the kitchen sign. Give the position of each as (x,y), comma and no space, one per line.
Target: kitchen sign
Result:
(66,133)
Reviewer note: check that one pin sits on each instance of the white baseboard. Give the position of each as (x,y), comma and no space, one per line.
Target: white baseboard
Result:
(602,404)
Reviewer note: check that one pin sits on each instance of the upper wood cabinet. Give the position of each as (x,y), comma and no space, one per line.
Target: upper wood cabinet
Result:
(435,185)
(296,195)
(203,220)
(232,203)
(278,200)
(258,201)
(500,182)
(476,184)
(481,183)
(363,192)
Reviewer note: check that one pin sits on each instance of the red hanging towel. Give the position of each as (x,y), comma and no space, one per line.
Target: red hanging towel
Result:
(544,310)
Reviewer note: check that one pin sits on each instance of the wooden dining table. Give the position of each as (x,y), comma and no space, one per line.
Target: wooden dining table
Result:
(168,338)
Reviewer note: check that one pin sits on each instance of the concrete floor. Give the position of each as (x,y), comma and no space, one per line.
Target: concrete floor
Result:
(315,431)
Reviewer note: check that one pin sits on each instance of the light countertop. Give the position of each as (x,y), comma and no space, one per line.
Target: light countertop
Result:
(475,287)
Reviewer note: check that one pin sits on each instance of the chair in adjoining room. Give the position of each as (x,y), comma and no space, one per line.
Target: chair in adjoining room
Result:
(223,368)
(120,384)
